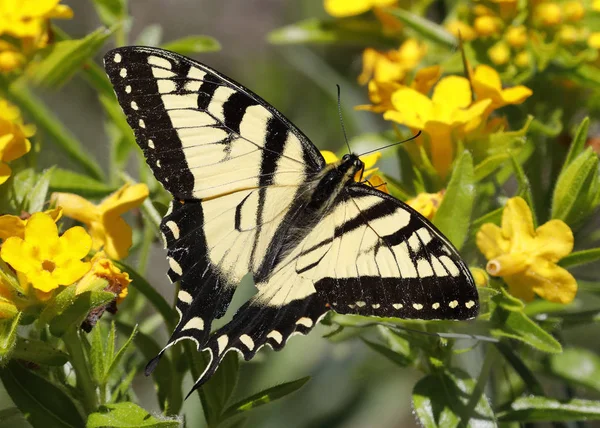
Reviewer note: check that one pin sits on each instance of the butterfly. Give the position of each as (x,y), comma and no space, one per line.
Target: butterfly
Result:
(252,194)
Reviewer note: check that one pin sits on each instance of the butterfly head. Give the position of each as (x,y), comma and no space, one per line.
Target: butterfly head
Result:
(350,165)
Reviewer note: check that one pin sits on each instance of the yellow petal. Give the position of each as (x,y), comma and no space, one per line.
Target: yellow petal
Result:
(5,172)
(487,76)
(17,253)
(55,213)
(442,149)
(552,282)
(371,159)
(426,78)
(343,8)
(377,182)
(71,271)
(516,94)
(554,240)
(75,243)
(413,109)
(519,286)
(41,232)
(452,92)
(329,157)
(11,225)
(491,242)
(42,280)
(61,11)
(124,199)
(472,113)
(517,224)
(18,147)
(76,207)
(118,237)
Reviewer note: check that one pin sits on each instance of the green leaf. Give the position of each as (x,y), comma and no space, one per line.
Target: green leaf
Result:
(577,365)
(539,409)
(193,45)
(97,354)
(443,400)
(117,357)
(150,293)
(578,143)
(357,31)
(516,325)
(426,28)
(8,337)
(63,180)
(61,60)
(38,196)
(264,397)
(490,164)
(394,357)
(110,11)
(39,352)
(128,415)
(576,189)
(453,217)
(165,376)
(580,258)
(218,390)
(77,312)
(44,404)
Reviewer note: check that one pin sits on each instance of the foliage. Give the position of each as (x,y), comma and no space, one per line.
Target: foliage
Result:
(505,167)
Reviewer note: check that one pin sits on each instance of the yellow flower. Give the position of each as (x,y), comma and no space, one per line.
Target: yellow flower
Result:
(46,259)
(106,226)
(12,225)
(426,204)
(487,85)
(573,10)
(10,57)
(377,182)
(487,25)
(523,59)
(480,276)
(449,108)
(28,18)
(369,160)
(548,14)
(499,53)
(380,93)
(344,8)
(460,29)
(104,275)
(516,36)
(594,40)
(526,258)
(568,34)
(391,66)
(14,137)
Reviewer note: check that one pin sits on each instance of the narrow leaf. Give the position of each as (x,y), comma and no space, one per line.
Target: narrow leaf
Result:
(192,45)
(8,336)
(453,217)
(533,385)
(426,28)
(121,352)
(524,186)
(76,313)
(516,325)
(38,196)
(578,143)
(394,357)
(39,352)
(264,397)
(128,415)
(580,258)
(357,31)
(63,180)
(579,366)
(43,403)
(539,409)
(63,59)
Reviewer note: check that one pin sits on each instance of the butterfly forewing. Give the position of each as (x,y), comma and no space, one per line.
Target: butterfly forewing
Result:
(243,180)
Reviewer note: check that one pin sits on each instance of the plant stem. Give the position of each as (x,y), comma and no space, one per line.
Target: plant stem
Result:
(85,383)
(488,362)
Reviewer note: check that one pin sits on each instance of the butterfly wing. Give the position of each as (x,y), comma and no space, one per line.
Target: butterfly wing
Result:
(370,254)
(232,163)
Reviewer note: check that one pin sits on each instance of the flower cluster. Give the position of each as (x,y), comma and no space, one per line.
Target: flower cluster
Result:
(24,28)
(520,35)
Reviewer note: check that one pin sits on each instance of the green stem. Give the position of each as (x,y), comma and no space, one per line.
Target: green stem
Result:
(85,383)
(484,375)
(20,94)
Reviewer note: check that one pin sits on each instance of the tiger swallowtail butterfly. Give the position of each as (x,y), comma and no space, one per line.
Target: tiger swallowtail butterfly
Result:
(252,194)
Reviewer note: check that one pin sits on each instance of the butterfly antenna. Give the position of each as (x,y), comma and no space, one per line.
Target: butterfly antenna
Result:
(393,144)
(339,93)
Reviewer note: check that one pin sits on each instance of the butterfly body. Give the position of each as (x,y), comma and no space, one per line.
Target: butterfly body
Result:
(252,194)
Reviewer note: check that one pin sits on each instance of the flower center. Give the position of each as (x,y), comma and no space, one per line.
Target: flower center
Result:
(48,265)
